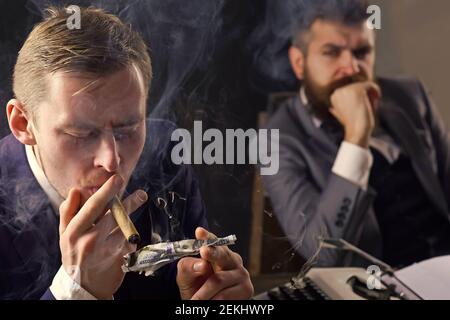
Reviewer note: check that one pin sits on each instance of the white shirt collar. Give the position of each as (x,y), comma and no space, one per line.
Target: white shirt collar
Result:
(54,197)
(304,99)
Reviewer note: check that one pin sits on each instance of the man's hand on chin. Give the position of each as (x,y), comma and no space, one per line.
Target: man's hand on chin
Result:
(354,107)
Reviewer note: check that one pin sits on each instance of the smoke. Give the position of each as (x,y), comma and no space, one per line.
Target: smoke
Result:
(272,37)
(23,212)
(295,239)
(181,38)
(184,37)
(269,42)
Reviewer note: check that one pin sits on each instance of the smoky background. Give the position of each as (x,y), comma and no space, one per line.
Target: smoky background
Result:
(204,68)
(219,60)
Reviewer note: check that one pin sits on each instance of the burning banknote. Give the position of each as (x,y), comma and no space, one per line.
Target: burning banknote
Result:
(153,257)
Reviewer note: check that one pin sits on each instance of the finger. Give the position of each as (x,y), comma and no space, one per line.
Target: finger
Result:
(218,282)
(117,244)
(135,200)
(112,251)
(190,268)
(108,224)
(191,274)
(96,205)
(221,258)
(68,209)
(374,94)
(242,291)
(203,234)
(372,89)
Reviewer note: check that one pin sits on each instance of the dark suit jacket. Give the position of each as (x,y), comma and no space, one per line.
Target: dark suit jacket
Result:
(29,239)
(310,201)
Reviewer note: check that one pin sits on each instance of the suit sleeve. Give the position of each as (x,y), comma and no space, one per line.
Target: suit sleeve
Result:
(306,212)
(441,141)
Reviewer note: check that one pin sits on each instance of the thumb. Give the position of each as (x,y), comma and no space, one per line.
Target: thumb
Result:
(192,273)
(68,209)
(374,95)
(373,92)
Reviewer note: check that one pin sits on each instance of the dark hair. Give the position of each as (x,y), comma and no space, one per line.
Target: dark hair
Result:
(348,12)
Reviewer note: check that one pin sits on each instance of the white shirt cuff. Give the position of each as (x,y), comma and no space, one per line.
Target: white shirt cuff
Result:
(65,288)
(353,163)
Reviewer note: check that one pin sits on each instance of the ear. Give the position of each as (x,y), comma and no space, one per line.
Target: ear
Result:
(19,122)
(297,59)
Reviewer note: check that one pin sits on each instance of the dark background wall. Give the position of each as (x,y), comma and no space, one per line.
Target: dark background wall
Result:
(217,61)
(415,40)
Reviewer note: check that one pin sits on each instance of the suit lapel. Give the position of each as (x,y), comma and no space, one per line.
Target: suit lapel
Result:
(312,130)
(405,133)
(38,238)
(35,225)
(316,140)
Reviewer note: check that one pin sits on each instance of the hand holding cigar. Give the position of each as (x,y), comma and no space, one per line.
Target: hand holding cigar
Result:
(124,222)
(90,239)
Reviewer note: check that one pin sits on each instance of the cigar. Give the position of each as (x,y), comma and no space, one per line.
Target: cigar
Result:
(124,222)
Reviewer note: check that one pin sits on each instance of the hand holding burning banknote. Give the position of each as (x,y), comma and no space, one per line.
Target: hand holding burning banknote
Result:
(153,257)
(217,274)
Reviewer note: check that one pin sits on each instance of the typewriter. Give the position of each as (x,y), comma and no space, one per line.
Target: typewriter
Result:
(342,283)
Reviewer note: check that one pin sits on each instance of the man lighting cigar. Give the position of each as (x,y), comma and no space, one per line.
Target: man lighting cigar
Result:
(80,139)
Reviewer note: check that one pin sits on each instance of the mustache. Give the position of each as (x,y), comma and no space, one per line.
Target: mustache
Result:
(346,81)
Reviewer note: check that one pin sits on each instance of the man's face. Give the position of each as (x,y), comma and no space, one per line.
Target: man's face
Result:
(90,129)
(337,55)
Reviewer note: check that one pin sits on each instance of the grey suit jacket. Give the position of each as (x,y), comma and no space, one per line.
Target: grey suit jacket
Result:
(310,201)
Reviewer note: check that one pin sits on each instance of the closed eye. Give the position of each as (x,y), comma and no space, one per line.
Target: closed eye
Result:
(82,135)
(125,132)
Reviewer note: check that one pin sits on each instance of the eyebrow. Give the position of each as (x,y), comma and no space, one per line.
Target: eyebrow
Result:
(122,124)
(363,46)
(333,46)
(128,123)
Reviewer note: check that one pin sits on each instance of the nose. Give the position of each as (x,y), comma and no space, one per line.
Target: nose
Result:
(349,65)
(107,155)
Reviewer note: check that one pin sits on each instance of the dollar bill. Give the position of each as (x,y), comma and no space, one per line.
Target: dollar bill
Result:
(153,257)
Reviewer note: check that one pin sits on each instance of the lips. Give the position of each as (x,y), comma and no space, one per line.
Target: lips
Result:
(91,186)
(92,190)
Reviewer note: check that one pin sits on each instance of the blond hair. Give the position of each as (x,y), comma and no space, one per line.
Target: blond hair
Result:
(103,45)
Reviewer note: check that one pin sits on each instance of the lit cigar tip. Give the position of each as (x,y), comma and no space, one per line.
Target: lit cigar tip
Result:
(134,239)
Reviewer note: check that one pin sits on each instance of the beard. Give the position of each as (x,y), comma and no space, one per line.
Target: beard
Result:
(319,97)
